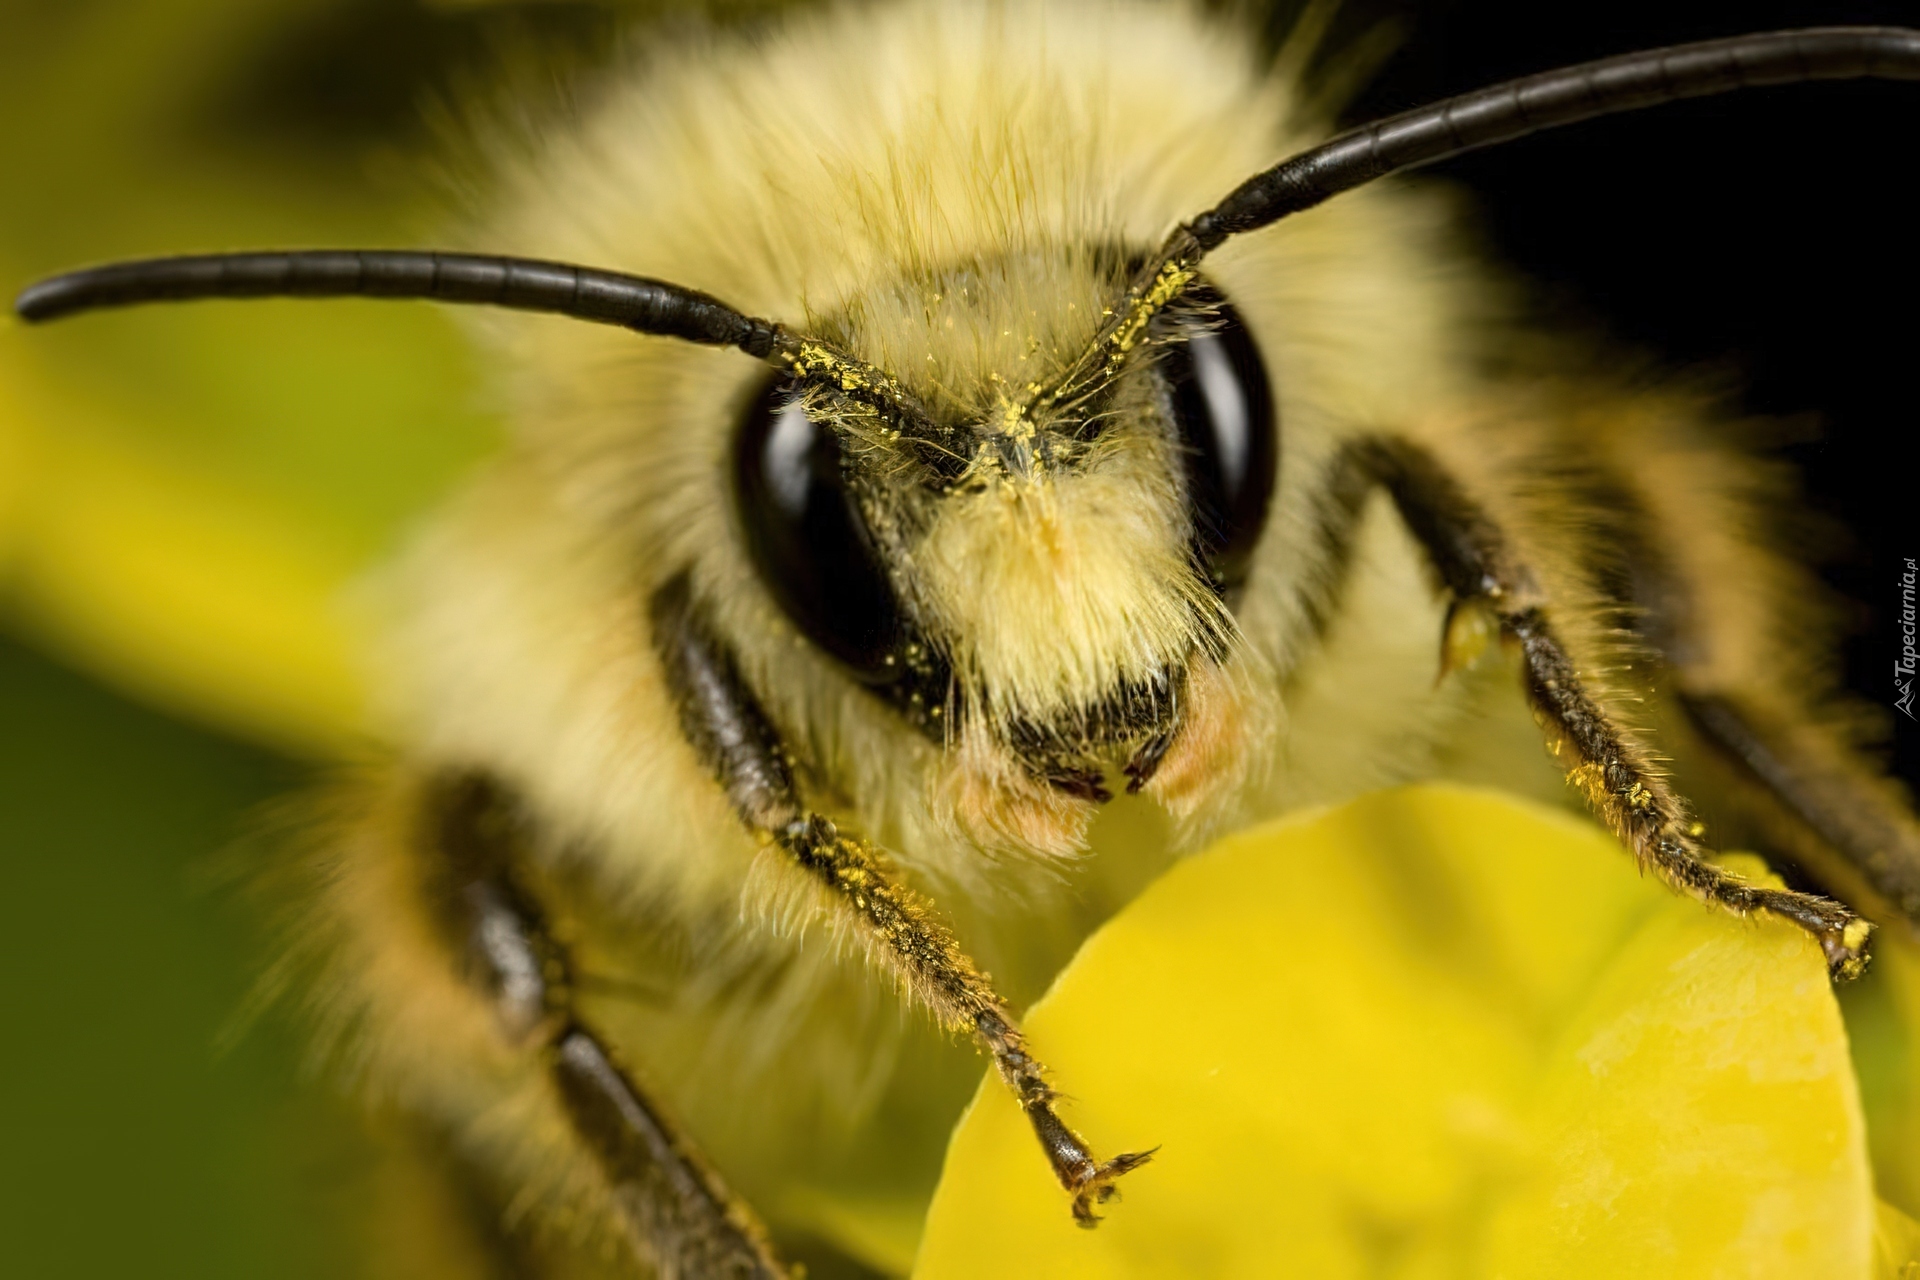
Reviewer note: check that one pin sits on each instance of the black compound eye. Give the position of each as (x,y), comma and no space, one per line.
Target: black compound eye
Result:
(1222,407)
(805,534)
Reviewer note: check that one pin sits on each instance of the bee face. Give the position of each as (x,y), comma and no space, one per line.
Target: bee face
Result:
(1120,518)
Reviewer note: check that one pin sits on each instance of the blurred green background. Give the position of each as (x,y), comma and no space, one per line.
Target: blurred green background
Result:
(184,492)
(131,1147)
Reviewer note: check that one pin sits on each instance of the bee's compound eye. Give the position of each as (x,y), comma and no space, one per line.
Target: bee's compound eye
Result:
(805,533)
(1222,406)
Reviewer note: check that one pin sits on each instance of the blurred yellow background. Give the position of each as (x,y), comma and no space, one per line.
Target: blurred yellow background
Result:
(186,490)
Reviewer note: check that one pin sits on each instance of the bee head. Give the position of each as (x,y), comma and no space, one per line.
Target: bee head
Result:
(1028,549)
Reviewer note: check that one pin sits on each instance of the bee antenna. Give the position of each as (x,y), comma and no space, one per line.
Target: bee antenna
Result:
(584,293)
(1504,112)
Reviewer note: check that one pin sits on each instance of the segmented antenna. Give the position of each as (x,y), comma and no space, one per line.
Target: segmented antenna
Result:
(605,297)
(1504,112)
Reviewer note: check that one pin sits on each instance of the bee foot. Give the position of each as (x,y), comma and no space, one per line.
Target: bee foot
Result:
(1096,1187)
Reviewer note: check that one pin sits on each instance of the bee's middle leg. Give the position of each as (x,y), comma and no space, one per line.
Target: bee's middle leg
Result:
(726,725)
(681,1218)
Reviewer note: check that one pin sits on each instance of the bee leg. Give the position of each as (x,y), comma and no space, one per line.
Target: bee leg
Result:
(1740,631)
(679,1215)
(725,724)
(1816,796)
(1616,773)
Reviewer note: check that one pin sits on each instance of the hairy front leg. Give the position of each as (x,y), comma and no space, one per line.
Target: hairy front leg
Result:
(1478,566)
(733,736)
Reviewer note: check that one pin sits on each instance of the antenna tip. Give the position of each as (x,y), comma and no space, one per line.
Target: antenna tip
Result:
(43,300)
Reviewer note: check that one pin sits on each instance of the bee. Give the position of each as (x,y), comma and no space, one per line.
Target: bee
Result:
(980,458)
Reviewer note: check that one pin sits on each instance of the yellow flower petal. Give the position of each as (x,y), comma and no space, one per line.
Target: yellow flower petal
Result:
(1436,1032)
(1896,1244)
